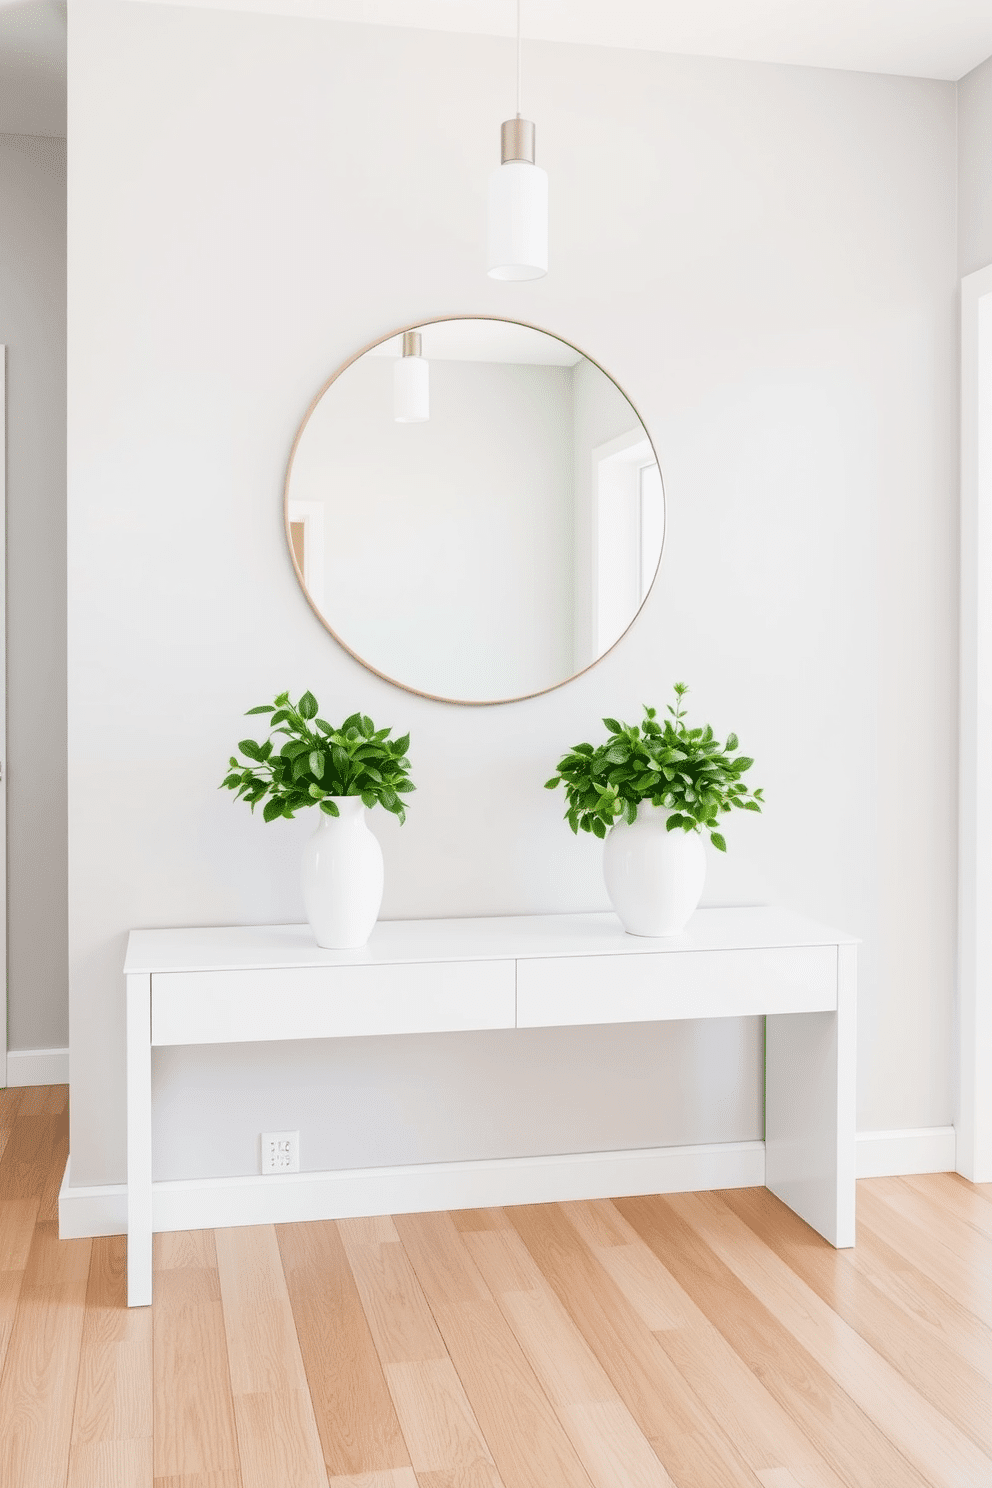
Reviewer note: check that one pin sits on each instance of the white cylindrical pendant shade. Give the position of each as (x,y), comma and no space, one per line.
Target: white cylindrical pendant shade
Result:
(411,390)
(518,221)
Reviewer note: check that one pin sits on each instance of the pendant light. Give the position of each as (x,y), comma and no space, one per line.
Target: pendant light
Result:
(411,382)
(518,201)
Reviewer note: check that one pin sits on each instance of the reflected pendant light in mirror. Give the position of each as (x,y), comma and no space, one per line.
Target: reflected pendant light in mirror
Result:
(411,382)
(518,201)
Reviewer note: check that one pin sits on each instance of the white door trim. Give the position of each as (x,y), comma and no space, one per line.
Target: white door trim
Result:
(3,717)
(974,1001)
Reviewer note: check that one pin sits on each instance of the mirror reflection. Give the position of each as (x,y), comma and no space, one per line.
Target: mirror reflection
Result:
(475,510)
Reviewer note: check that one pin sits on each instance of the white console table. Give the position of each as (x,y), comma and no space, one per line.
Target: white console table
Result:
(438,976)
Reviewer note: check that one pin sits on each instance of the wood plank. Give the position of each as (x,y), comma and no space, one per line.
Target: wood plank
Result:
(442,1434)
(441,1428)
(840,1432)
(942,1454)
(955,1195)
(262,1347)
(48,1197)
(503,1261)
(598,1222)
(44,1100)
(17,1222)
(932,1309)
(401,1322)
(690,1443)
(29,1156)
(764,1434)
(567,1368)
(612,1449)
(111,1464)
(10,1104)
(34,1101)
(481,1475)
(968,1243)
(278,1441)
(479,1219)
(927,1253)
(926,1362)
(443,1265)
(114,1384)
(185,1250)
(194,1407)
(389,1477)
(525,1437)
(58,1099)
(227,1479)
(38,1385)
(359,1429)
(375,1229)
(655,1296)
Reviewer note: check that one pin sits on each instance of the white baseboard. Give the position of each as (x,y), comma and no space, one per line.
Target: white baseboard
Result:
(215,1203)
(887,1154)
(37,1067)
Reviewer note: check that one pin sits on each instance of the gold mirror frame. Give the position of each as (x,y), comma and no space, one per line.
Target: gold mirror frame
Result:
(394,681)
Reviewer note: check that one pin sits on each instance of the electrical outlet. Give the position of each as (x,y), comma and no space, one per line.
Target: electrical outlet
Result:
(280,1152)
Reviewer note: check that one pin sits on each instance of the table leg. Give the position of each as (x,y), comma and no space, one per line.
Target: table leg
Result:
(139,1141)
(810,1098)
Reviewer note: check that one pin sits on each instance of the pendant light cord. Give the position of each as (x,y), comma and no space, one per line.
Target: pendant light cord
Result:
(518,59)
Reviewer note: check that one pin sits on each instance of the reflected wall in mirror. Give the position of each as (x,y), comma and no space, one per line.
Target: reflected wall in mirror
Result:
(498,544)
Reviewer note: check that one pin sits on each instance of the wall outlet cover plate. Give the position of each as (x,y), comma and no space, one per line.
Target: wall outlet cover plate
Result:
(280,1152)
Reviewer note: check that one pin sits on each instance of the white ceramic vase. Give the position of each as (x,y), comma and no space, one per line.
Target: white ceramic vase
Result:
(654,877)
(342,877)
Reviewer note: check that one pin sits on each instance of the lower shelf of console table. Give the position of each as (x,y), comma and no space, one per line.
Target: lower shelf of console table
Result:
(261,983)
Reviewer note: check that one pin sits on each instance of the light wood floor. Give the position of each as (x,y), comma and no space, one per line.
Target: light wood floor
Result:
(703,1340)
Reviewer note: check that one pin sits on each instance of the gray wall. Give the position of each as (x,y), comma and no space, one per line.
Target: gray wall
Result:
(975,169)
(32,324)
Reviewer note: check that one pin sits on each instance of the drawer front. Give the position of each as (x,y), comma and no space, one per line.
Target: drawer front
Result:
(220,1007)
(677,984)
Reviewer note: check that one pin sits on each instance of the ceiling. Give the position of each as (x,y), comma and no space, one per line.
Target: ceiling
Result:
(917,38)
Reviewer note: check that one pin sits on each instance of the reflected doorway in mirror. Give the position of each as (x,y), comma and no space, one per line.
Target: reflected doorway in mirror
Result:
(629,532)
(306,528)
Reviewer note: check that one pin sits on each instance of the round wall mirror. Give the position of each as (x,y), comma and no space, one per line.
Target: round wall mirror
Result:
(474,510)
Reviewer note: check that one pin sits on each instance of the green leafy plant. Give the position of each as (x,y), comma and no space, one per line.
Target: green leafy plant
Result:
(319,762)
(685,770)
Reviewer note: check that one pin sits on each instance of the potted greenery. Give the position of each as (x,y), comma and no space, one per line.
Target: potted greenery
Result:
(342,771)
(651,790)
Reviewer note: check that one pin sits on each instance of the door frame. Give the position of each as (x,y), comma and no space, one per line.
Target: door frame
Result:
(3,716)
(973,1117)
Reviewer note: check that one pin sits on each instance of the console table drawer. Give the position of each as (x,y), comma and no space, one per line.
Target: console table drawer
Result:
(679,984)
(217,1007)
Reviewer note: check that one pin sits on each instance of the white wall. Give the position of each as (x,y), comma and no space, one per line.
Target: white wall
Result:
(765,259)
(32,324)
(975,169)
